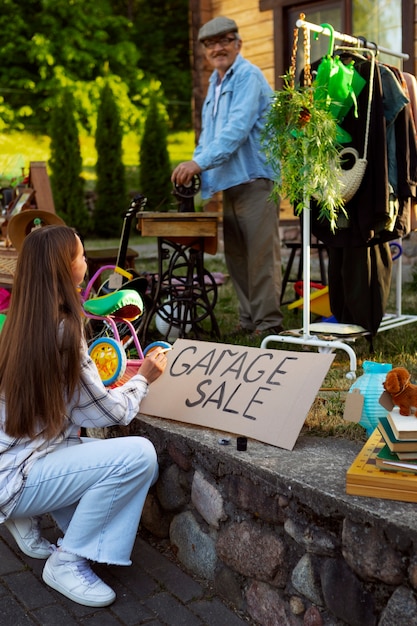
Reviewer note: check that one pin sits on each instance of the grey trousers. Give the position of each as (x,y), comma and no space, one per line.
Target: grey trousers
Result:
(253,252)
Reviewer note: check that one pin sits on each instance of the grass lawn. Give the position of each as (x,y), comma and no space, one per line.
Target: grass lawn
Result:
(397,346)
(23,147)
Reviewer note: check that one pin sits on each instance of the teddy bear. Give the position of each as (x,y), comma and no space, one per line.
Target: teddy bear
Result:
(403,393)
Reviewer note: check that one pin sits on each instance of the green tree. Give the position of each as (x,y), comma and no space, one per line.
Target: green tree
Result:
(162,36)
(56,44)
(155,168)
(111,186)
(49,45)
(66,165)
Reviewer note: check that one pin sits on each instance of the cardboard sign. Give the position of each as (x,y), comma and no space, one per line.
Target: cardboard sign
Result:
(258,393)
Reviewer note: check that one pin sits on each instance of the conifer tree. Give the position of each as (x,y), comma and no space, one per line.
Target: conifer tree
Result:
(66,165)
(111,186)
(155,169)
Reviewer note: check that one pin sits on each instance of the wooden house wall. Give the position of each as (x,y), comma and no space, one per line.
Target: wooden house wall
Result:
(256,28)
(257,31)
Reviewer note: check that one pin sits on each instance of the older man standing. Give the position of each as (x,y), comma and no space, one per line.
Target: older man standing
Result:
(230,159)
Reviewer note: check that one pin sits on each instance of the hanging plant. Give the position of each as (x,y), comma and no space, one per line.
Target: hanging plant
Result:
(300,143)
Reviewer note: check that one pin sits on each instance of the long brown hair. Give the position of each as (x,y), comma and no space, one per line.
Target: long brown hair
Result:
(39,356)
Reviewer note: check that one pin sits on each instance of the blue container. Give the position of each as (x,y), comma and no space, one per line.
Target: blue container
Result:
(371,387)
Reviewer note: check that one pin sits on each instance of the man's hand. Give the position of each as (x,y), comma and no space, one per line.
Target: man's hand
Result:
(184,172)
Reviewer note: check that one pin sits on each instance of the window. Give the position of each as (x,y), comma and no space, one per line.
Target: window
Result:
(388,23)
(379,21)
(317,13)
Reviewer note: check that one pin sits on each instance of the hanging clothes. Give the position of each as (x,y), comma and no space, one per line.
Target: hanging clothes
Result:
(406,144)
(355,273)
(411,83)
(359,256)
(359,284)
(394,100)
(368,210)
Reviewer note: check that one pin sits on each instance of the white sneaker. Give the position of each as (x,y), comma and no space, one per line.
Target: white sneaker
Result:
(72,576)
(28,537)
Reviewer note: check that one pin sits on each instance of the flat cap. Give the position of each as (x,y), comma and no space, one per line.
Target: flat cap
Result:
(217,26)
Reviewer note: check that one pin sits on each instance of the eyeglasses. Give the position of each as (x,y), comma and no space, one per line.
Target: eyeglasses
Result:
(223,42)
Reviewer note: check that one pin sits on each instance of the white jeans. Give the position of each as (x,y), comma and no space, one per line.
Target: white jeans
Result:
(95,491)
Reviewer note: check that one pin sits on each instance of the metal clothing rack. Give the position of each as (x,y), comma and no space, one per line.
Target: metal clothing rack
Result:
(357,42)
(389,321)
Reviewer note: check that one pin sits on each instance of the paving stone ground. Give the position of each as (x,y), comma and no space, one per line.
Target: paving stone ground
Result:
(154,591)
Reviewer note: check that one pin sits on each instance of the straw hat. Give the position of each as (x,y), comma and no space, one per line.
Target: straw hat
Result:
(21,224)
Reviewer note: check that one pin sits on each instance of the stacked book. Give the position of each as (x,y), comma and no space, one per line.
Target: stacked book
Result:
(386,467)
(400,437)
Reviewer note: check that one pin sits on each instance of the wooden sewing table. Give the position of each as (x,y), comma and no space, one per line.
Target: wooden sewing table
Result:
(183,293)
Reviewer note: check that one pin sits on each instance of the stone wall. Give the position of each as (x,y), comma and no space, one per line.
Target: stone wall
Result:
(274,531)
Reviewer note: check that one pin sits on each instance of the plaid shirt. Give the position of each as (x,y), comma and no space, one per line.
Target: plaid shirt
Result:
(92,406)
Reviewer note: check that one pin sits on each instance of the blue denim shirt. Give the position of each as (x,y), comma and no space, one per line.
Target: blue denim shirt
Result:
(229,150)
